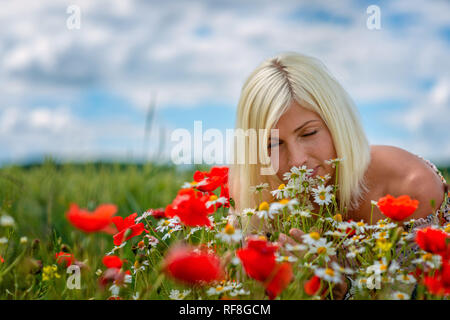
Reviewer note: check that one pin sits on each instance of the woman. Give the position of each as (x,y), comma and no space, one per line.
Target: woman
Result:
(317,121)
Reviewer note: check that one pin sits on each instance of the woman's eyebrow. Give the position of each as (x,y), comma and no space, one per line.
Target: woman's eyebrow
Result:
(299,128)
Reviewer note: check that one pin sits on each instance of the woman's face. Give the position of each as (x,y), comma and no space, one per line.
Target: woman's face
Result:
(303,139)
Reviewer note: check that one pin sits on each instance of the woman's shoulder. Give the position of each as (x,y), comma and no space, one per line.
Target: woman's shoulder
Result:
(401,172)
(396,163)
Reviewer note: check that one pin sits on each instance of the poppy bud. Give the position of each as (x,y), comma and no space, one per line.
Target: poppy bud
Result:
(35,245)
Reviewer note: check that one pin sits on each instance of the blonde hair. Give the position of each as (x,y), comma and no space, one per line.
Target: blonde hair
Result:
(266,95)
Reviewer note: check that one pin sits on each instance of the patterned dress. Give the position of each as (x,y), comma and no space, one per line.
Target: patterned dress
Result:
(442,214)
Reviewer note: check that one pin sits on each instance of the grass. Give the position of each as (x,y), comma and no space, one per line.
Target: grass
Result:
(38,196)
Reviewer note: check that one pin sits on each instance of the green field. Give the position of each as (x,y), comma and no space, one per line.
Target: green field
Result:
(37,197)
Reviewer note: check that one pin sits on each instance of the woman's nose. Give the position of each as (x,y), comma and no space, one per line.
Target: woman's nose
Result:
(297,157)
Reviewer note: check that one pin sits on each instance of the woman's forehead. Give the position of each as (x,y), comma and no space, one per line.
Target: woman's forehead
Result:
(294,115)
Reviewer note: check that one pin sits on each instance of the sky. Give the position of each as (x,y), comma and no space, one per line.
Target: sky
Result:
(83,91)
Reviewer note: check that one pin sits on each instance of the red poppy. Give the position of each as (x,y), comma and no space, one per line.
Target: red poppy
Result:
(283,276)
(64,258)
(158,213)
(190,206)
(210,181)
(446,273)
(192,266)
(312,286)
(2,260)
(112,262)
(350,231)
(399,208)
(127,228)
(98,220)
(258,258)
(435,285)
(224,192)
(433,240)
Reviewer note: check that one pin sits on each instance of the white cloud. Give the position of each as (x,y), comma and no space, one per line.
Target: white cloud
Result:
(134,47)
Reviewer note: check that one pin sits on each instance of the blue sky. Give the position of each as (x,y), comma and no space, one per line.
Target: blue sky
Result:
(84,93)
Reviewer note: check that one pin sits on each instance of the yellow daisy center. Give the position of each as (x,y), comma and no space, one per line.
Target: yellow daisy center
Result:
(284,201)
(213,197)
(229,229)
(427,256)
(321,250)
(338,217)
(264,206)
(281,186)
(314,235)
(329,271)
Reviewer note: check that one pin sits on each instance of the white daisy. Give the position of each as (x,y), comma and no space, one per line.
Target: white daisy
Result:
(276,208)
(218,290)
(229,234)
(240,292)
(397,295)
(7,221)
(406,278)
(292,190)
(279,193)
(379,267)
(176,295)
(115,248)
(170,231)
(353,252)
(322,195)
(342,269)
(144,215)
(323,248)
(259,187)
(334,162)
(281,258)
(311,238)
(294,174)
(329,274)
(335,233)
(127,278)
(301,213)
(222,201)
(115,289)
(433,261)
(165,224)
(296,247)
(248,212)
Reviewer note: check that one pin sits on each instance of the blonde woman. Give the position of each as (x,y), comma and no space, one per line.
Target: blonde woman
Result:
(317,121)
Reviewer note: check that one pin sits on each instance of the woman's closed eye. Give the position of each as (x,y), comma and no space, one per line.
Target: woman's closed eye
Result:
(310,133)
